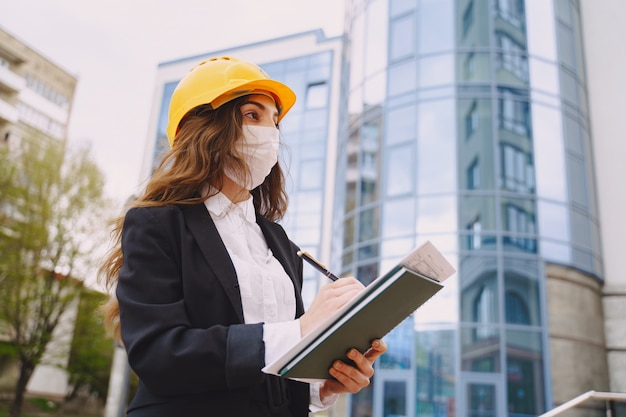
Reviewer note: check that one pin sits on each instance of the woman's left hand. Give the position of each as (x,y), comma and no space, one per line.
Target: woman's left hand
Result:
(351,379)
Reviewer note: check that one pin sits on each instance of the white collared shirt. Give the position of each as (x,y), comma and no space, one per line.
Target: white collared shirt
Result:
(267,292)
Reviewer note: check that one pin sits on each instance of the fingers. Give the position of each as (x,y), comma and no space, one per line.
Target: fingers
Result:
(353,379)
(330,298)
(378,348)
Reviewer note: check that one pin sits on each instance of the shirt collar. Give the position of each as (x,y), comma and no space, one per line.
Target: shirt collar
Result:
(220,206)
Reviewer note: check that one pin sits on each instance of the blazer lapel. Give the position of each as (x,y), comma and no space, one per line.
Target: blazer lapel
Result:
(205,233)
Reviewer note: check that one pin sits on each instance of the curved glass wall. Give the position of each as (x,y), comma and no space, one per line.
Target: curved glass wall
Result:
(465,127)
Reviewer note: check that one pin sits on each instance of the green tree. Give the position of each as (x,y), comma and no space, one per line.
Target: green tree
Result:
(50,204)
(92,348)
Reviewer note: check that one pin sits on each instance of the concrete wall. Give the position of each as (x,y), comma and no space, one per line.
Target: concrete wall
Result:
(577,340)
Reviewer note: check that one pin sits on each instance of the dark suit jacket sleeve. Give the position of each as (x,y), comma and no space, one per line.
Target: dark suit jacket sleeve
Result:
(172,352)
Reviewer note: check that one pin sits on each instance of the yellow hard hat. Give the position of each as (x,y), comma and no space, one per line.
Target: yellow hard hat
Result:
(219,80)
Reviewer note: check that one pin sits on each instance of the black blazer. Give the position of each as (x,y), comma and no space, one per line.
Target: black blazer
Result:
(182,319)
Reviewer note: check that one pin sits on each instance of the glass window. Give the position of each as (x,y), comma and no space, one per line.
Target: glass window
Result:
(482,400)
(376,38)
(315,119)
(519,223)
(400,173)
(436,214)
(567,52)
(517,170)
(513,110)
(435,372)
(512,56)
(316,95)
(311,174)
(401,125)
(395,398)
(512,11)
(480,349)
(309,201)
(436,71)
(473,175)
(436,153)
(549,153)
(524,372)
(400,347)
(541,30)
(398,218)
(401,6)
(516,309)
(553,221)
(402,37)
(402,78)
(468,17)
(544,76)
(578,180)
(471,121)
(368,224)
(436,16)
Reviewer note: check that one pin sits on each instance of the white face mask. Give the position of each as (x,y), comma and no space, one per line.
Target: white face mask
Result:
(259,149)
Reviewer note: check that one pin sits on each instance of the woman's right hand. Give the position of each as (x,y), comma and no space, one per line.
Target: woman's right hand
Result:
(329,299)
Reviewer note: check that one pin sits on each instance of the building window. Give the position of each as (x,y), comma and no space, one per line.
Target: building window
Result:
(516,309)
(40,121)
(520,224)
(471,120)
(46,91)
(317,95)
(402,37)
(474,239)
(470,65)
(517,170)
(512,11)
(473,176)
(485,312)
(512,56)
(514,114)
(468,17)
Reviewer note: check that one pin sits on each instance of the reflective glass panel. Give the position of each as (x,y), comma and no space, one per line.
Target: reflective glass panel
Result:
(479,293)
(402,77)
(521,292)
(399,163)
(553,221)
(395,398)
(376,37)
(549,153)
(402,37)
(541,30)
(435,372)
(524,373)
(480,349)
(436,154)
(398,218)
(401,124)
(436,214)
(436,16)
(436,71)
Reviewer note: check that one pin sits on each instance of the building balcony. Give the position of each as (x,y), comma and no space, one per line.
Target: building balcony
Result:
(10,81)
(8,112)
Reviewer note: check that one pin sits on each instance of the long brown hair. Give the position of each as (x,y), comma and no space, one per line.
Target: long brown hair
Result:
(205,142)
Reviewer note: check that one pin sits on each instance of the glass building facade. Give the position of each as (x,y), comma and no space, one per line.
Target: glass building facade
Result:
(466,124)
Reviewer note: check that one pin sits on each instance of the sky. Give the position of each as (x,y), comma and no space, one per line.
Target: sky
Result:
(113,47)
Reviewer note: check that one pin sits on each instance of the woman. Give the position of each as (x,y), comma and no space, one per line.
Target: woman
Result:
(207,284)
